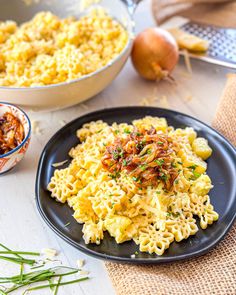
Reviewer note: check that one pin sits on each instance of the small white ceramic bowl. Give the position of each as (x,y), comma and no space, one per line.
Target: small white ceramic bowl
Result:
(10,159)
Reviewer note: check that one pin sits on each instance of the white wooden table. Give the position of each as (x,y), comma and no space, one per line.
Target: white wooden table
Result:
(21,227)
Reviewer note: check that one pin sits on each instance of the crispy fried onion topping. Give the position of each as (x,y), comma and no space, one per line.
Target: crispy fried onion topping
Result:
(147,156)
(11,132)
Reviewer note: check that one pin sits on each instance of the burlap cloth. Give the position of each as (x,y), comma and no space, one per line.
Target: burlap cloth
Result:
(211,274)
(215,12)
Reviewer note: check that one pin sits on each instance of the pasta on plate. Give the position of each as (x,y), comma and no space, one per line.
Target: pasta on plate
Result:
(144,181)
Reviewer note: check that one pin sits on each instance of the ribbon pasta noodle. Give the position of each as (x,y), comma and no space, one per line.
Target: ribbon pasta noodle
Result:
(144,181)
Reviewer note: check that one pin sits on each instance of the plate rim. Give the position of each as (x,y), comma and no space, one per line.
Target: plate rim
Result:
(107,257)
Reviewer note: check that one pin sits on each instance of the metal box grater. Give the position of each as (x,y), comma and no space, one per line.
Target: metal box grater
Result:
(222,48)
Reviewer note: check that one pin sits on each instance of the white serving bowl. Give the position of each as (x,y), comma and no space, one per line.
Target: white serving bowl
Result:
(10,159)
(66,94)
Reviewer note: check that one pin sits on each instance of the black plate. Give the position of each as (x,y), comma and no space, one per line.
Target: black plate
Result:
(221,168)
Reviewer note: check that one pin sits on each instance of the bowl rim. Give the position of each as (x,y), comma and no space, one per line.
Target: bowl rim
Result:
(26,136)
(127,47)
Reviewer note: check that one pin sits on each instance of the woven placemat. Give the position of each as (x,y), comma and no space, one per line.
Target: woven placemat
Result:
(225,118)
(216,12)
(211,274)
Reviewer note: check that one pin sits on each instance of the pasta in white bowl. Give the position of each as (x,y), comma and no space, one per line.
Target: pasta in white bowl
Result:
(145,182)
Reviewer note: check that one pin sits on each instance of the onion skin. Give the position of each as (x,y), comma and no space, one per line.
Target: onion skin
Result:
(155,54)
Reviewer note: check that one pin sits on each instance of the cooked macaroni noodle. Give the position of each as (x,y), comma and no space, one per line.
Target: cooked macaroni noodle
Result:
(49,50)
(152,216)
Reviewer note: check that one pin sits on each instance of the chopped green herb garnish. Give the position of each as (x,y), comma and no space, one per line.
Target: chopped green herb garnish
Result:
(163,177)
(104,144)
(158,192)
(143,142)
(138,146)
(177,214)
(173,165)
(99,131)
(127,131)
(115,175)
(168,214)
(149,151)
(196,175)
(124,163)
(117,131)
(159,162)
(180,163)
(137,179)
(115,155)
(143,167)
(136,252)
(192,167)
(160,142)
(176,181)
(138,134)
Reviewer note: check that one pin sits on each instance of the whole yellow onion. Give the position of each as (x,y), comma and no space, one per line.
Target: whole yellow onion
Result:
(155,54)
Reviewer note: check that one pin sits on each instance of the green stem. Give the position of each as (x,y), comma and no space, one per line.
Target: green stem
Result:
(16,288)
(65,274)
(38,266)
(4,247)
(61,284)
(18,260)
(28,279)
(50,283)
(21,272)
(11,259)
(20,252)
(34,279)
(27,274)
(57,286)
(37,276)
